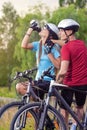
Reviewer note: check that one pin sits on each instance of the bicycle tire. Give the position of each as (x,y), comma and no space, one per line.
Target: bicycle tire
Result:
(85,119)
(7,112)
(59,123)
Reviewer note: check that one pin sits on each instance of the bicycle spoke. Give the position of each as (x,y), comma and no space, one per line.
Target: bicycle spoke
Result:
(25,121)
(52,122)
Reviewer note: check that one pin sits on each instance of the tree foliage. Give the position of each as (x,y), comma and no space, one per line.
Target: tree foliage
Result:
(77,3)
(8,40)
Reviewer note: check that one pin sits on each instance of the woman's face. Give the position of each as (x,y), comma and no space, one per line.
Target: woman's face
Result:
(44,35)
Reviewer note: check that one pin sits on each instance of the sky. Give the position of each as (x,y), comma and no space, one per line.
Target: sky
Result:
(22,6)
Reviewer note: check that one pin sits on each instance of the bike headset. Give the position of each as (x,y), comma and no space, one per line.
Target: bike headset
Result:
(53,30)
(68,24)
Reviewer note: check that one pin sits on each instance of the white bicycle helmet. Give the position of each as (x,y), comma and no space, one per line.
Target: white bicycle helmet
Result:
(52,28)
(69,24)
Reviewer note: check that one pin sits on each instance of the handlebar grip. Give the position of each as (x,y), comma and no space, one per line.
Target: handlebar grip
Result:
(30,71)
(47,71)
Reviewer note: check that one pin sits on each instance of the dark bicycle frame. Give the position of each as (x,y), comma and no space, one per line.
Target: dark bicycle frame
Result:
(54,91)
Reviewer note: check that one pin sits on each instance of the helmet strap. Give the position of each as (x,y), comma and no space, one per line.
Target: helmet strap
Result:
(67,39)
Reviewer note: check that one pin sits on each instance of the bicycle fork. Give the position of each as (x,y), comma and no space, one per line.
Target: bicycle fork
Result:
(44,108)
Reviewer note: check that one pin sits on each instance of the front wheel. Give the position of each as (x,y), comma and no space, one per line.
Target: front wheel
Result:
(53,120)
(7,112)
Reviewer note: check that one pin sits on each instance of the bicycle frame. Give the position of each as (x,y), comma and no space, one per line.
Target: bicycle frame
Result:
(30,92)
(53,91)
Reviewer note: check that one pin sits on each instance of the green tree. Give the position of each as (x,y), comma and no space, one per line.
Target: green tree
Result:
(3,67)
(8,39)
(77,3)
(80,15)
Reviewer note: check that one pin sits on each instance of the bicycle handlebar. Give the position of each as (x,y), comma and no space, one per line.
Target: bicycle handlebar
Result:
(25,74)
(47,73)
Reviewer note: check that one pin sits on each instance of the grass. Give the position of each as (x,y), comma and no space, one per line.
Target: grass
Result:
(5,92)
(7,95)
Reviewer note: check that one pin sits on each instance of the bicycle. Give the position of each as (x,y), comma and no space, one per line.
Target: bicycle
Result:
(45,111)
(8,110)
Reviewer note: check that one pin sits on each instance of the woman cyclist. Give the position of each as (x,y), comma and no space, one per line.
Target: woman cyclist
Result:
(46,52)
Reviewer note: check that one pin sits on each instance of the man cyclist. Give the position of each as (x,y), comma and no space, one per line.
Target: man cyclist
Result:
(73,70)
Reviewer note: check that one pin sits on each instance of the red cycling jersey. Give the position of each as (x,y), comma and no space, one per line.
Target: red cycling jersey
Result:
(76,53)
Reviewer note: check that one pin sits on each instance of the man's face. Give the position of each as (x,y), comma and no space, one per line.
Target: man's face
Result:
(44,35)
(63,34)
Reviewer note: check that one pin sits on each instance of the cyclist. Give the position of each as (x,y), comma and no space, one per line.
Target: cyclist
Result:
(73,70)
(46,52)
